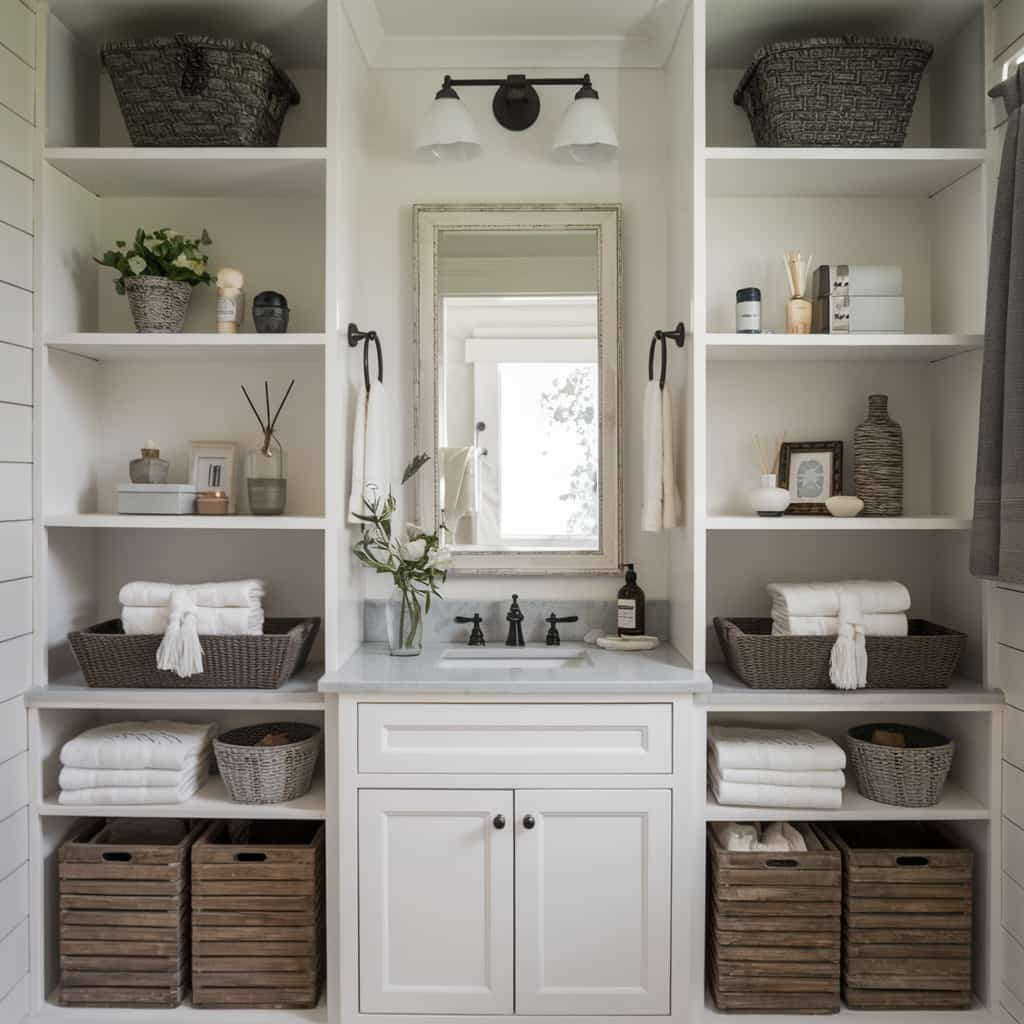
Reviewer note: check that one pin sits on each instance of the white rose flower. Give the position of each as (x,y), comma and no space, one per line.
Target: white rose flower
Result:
(137,263)
(413,550)
(182,260)
(440,559)
(413,530)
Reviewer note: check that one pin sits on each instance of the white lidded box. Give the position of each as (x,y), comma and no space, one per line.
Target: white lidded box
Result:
(156,499)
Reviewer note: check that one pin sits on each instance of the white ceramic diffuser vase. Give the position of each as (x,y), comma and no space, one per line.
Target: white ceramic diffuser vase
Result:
(769,499)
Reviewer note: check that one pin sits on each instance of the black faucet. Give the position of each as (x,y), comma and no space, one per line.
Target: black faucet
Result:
(553,639)
(515,624)
(476,636)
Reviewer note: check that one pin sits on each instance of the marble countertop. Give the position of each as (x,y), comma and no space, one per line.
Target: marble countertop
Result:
(661,672)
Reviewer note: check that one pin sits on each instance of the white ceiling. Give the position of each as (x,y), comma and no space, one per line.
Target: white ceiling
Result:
(447,34)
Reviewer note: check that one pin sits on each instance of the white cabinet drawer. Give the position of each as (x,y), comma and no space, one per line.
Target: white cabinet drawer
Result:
(515,738)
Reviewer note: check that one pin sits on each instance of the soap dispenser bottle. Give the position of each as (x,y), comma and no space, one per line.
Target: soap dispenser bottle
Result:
(631,610)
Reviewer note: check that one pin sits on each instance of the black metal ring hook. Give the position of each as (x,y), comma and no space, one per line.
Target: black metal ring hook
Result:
(354,337)
(678,336)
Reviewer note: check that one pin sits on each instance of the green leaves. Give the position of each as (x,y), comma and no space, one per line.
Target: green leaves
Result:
(415,466)
(160,253)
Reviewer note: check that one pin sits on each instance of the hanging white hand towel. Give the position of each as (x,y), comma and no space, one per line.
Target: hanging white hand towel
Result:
(369,448)
(662,504)
(458,466)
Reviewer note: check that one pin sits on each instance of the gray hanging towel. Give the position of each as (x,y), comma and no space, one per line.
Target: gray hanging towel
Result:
(997,538)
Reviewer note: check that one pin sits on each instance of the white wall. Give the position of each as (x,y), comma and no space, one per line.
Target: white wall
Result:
(17,117)
(519,167)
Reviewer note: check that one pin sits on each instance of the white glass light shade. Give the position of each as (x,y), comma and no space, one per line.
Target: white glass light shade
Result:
(448,132)
(586,133)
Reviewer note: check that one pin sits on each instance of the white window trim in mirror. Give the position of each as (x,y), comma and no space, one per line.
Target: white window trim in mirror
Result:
(606,220)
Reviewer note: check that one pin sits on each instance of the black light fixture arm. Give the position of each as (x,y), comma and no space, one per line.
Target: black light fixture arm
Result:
(449,82)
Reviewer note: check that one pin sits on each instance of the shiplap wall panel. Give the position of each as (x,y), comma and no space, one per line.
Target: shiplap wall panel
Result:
(1007,27)
(15,433)
(18,30)
(15,198)
(15,608)
(15,667)
(16,323)
(13,784)
(1013,737)
(1010,617)
(15,491)
(1010,674)
(15,256)
(13,841)
(16,85)
(13,899)
(15,374)
(14,1006)
(1013,1006)
(14,957)
(1013,852)
(15,141)
(1013,968)
(1013,794)
(13,728)
(1013,908)
(15,550)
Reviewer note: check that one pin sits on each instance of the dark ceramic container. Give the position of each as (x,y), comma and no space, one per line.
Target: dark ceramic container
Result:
(270,313)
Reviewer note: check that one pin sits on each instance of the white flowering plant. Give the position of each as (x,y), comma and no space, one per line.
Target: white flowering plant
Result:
(418,562)
(160,253)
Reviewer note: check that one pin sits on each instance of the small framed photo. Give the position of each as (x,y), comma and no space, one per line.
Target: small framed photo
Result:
(812,472)
(212,467)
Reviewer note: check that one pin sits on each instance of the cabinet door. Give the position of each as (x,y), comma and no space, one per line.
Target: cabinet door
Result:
(435,901)
(593,901)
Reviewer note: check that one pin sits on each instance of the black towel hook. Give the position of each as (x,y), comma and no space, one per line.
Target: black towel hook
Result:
(678,336)
(354,337)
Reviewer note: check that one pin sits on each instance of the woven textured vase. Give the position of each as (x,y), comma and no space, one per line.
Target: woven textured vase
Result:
(158,304)
(878,461)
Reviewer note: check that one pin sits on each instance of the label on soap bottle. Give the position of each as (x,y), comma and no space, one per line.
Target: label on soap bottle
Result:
(627,613)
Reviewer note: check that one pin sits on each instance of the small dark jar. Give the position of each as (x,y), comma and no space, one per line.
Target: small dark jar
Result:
(270,313)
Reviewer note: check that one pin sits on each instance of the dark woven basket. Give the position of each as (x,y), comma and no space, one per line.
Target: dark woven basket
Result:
(910,776)
(108,657)
(925,659)
(197,91)
(835,91)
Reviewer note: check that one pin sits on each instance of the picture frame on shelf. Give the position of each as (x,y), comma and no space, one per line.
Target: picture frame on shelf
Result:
(812,472)
(213,466)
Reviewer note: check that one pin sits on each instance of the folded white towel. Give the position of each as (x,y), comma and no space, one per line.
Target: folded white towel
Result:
(777,837)
(780,835)
(877,597)
(777,749)
(127,778)
(767,777)
(848,663)
(159,744)
(804,625)
(229,594)
(209,621)
(133,795)
(740,794)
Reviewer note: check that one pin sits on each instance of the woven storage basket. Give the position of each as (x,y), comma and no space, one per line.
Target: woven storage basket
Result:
(197,91)
(268,775)
(835,91)
(158,304)
(925,659)
(910,776)
(108,657)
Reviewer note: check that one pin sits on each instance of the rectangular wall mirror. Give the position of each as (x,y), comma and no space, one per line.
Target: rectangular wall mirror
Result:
(518,330)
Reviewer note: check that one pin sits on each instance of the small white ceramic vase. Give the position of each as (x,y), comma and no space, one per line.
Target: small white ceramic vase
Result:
(844,506)
(769,499)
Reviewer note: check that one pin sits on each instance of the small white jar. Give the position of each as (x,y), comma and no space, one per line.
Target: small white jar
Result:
(769,499)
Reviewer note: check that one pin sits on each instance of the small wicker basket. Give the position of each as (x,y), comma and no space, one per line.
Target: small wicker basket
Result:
(908,776)
(272,774)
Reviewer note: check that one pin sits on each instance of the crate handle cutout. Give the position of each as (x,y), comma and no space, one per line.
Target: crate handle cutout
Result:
(912,862)
(781,863)
(122,855)
(250,856)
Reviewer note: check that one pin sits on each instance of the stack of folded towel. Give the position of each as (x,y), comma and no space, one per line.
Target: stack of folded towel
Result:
(797,768)
(812,609)
(186,612)
(136,763)
(777,837)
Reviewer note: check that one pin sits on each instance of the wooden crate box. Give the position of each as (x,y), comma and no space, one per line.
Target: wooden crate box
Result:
(774,931)
(907,917)
(123,910)
(258,915)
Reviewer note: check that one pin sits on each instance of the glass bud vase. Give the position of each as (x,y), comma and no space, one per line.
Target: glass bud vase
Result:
(266,478)
(404,617)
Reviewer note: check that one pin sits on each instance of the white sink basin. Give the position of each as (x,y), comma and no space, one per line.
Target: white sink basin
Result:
(531,659)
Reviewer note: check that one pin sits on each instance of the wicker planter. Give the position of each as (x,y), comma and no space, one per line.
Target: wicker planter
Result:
(108,657)
(925,659)
(158,304)
(910,776)
(878,460)
(836,91)
(198,91)
(268,775)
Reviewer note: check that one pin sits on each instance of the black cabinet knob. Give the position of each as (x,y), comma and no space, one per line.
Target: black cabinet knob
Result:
(499,821)
(529,821)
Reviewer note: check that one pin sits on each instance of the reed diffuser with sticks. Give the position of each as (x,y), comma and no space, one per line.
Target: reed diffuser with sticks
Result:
(265,471)
(799,311)
(769,499)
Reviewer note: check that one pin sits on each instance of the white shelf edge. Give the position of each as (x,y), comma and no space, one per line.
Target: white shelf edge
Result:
(846,154)
(978,1014)
(210,802)
(208,347)
(196,154)
(828,523)
(839,348)
(113,521)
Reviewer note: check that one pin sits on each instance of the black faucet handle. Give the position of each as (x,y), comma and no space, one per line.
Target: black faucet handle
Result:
(553,639)
(476,636)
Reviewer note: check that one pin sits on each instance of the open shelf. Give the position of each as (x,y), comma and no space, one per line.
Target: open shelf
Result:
(927,348)
(832,524)
(976,1015)
(955,805)
(193,348)
(113,521)
(216,171)
(747,171)
(211,801)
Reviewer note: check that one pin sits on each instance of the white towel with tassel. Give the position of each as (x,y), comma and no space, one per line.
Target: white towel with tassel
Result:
(370,476)
(662,504)
(229,594)
(180,651)
(209,621)
(848,664)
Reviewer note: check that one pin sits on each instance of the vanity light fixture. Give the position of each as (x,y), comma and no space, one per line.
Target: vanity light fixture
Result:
(586,133)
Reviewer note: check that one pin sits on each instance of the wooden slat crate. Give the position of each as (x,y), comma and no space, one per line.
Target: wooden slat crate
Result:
(258,915)
(907,917)
(774,928)
(123,907)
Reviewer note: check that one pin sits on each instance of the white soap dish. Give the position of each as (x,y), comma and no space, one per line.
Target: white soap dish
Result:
(627,643)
